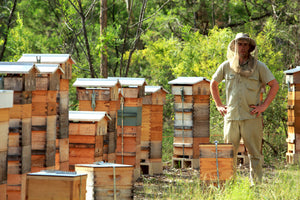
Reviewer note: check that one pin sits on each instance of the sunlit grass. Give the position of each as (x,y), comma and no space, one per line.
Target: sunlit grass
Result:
(282,184)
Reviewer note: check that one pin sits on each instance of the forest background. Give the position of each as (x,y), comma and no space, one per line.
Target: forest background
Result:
(159,40)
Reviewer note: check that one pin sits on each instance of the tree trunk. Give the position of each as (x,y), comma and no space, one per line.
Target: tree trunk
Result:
(103,25)
(124,43)
(87,45)
(138,35)
(8,27)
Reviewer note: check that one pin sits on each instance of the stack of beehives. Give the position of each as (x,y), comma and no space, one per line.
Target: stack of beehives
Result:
(293,140)
(129,122)
(6,104)
(101,95)
(152,129)
(191,122)
(65,62)
(86,132)
(44,116)
(19,77)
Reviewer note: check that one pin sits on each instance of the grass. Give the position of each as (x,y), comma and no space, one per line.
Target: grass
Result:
(282,183)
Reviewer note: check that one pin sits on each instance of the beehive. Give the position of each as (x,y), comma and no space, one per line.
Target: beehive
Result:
(129,122)
(152,129)
(101,95)
(191,123)
(214,166)
(44,117)
(87,129)
(108,181)
(293,140)
(49,185)
(6,104)
(65,62)
(19,77)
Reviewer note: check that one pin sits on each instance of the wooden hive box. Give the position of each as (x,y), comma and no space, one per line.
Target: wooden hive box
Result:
(129,121)
(293,140)
(108,180)
(65,62)
(87,129)
(48,185)
(99,94)
(152,130)
(128,151)
(191,122)
(19,77)
(208,162)
(44,116)
(6,103)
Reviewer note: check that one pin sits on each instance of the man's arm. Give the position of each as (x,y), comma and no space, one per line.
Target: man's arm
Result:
(216,96)
(274,86)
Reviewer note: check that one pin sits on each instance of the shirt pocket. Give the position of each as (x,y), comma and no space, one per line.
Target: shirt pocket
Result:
(230,82)
(253,83)
(253,88)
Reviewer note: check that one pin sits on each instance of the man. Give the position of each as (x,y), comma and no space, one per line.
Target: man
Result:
(244,77)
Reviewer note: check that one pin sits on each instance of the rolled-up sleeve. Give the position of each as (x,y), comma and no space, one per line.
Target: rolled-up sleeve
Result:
(219,74)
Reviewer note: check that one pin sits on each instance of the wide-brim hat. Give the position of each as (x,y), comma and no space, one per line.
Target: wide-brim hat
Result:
(245,37)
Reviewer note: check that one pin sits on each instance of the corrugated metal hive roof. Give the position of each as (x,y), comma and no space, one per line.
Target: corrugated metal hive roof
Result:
(16,67)
(49,68)
(153,89)
(187,80)
(87,116)
(46,58)
(127,81)
(94,82)
(104,165)
(292,71)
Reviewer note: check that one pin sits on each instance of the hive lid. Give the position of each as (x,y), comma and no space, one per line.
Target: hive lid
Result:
(95,82)
(292,71)
(49,68)
(88,116)
(17,68)
(127,81)
(56,173)
(153,89)
(46,58)
(103,165)
(187,80)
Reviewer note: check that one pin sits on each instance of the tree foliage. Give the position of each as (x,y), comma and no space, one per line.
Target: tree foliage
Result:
(158,39)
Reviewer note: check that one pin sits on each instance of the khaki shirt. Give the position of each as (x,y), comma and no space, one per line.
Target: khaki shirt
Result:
(241,92)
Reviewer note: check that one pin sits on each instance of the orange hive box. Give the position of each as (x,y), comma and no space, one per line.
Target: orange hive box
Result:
(191,121)
(6,97)
(86,132)
(48,185)
(100,94)
(293,140)
(208,162)
(108,181)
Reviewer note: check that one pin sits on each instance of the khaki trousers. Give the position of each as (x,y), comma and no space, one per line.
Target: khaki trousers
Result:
(251,130)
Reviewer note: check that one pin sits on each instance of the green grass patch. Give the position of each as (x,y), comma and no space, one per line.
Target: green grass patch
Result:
(280,183)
